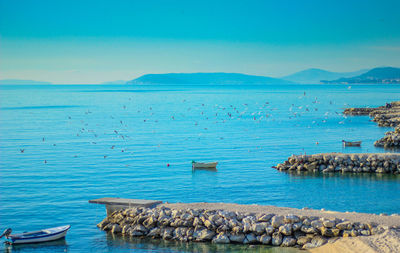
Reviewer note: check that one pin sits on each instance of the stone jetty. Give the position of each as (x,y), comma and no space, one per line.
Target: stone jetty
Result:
(224,226)
(340,162)
(385,116)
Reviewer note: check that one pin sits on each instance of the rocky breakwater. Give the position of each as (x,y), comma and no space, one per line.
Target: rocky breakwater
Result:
(219,226)
(390,140)
(339,162)
(385,116)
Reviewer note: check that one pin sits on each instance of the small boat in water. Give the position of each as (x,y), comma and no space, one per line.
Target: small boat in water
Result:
(197,165)
(351,143)
(44,235)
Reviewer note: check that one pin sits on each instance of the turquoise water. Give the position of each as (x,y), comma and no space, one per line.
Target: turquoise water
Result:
(84,142)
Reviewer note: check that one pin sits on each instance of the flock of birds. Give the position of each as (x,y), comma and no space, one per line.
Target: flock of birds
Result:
(198,114)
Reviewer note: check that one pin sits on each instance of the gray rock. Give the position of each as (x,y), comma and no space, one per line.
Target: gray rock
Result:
(344,225)
(237,238)
(179,233)
(365,232)
(291,218)
(270,230)
(166,233)
(246,226)
(209,224)
(288,241)
(308,229)
(238,229)
(306,222)
(328,223)
(250,238)
(197,222)
(286,229)
(264,239)
(317,224)
(303,240)
(308,246)
(155,232)
(297,226)
(276,239)
(102,224)
(265,217)
(221,238)
(116,229)
(205,235)
(330,232)
(259,228)
(318,241)
(277,221)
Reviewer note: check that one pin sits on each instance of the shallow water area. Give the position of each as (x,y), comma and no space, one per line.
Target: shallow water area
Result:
(61,145)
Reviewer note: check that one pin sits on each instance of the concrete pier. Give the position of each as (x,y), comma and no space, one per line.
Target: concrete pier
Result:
(116,204)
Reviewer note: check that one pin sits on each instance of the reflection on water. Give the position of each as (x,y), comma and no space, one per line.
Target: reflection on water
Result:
(342,175)
(159,245)
(199,170)
(53,246)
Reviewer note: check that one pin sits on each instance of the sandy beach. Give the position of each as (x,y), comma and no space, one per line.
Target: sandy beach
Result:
(389,241)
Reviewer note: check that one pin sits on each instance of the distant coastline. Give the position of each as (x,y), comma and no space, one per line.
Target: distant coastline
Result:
(382,75)
(22,82)
(387,75)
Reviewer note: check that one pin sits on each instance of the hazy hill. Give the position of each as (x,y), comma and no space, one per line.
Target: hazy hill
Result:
(21,82)
(206,78)
(376,75)
(314,76)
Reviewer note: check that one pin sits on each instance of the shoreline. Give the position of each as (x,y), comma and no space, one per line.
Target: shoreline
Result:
(320,230)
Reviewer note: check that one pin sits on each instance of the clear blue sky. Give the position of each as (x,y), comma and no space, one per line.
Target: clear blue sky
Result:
(94,41)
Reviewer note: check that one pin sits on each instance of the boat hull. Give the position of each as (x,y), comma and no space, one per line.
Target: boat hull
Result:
(54,235)
(352,144)
(204,165)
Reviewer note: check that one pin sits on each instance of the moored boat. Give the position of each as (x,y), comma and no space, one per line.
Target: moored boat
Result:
(351,143)
(44,235)
(197,165)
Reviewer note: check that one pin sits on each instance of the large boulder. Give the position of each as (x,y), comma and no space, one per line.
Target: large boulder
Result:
(264,239)
(276,239)
(221,238)
(239,238)
(286,229)
(288,241)
(250,238)
(277,221)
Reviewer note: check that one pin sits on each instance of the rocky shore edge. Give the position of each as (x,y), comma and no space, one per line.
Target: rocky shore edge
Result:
(385,116)
(340,162)
(223,226)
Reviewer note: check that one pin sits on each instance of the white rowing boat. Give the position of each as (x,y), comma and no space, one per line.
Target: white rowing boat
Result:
(197,165)
(44,235)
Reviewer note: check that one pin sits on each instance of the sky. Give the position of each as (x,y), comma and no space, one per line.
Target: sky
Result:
(88,42)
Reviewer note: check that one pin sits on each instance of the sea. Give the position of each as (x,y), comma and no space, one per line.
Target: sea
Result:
(63,145)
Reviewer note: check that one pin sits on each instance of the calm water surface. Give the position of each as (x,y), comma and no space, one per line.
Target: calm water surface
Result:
(84,142)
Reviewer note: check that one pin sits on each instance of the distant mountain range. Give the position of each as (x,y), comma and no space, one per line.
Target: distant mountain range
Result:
(387,75)
(308,76)
(314,76)
(21,82)
(206,78)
